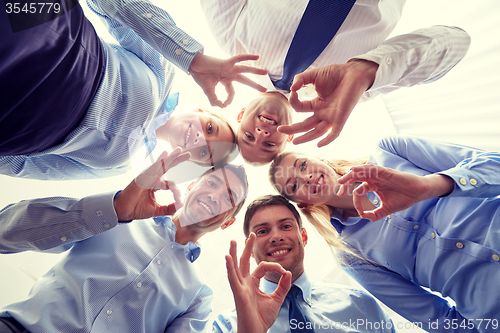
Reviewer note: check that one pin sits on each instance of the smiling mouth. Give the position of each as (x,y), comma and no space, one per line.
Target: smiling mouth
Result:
(207,207)
(279,252)
(319,184)
(268,121)
(188,134)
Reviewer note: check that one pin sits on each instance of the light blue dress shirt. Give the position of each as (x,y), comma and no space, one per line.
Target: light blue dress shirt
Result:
(133,278)
(136,82)
(449,245)
(329,307)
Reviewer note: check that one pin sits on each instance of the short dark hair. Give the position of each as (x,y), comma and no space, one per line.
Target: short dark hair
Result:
(265,201)
(240,172)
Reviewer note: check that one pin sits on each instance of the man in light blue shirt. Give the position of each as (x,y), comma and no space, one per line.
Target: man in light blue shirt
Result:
(70,100)
(121,275)
(280,238)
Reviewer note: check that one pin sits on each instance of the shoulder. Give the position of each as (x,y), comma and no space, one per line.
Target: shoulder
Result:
(336,293)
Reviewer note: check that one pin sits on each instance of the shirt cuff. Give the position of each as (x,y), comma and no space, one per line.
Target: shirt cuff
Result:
(99,212)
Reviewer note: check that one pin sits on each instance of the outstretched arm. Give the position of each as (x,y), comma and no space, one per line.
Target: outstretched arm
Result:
(57,222)
(397,190)
(422,56)
(256,310)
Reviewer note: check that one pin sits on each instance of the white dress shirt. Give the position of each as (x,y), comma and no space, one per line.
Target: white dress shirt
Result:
(267,27)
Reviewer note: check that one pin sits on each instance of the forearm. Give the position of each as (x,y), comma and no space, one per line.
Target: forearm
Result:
(475,173)
(43,224)
(422,56)
(152,24)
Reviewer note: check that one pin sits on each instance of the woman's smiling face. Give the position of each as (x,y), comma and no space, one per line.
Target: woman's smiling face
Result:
(306,179)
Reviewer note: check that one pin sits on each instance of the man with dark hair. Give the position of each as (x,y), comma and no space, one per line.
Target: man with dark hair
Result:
(121,275)
(275,236)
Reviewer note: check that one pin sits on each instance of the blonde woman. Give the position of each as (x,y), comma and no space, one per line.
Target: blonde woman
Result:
(436,226)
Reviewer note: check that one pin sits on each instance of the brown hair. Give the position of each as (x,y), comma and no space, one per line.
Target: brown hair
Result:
(265,201)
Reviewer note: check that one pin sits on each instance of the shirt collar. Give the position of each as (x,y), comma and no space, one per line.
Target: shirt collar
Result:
(302,282)
(191,250)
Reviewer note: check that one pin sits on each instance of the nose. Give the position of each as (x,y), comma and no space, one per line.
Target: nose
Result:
(276,236)
(214,197)
(263,132)
(307,179)
(198,137)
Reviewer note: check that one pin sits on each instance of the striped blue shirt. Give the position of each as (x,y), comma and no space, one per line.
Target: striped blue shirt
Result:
(115,278)
(137,80)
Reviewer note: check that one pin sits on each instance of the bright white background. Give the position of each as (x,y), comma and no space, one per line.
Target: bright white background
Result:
(462,107)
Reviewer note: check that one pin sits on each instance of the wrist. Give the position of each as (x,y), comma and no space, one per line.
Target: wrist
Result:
(367,71)
(439,185)
(118,211)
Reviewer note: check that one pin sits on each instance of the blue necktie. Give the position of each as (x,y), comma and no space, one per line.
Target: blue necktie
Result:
(296,316)
(319,24)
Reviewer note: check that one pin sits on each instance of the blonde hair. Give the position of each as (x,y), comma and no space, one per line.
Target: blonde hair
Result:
(319,215)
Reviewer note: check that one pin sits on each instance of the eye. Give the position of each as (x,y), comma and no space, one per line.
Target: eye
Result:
(287,226)
(204,151)
(248,136)
(303,165)
(269,144)
(260,232)
(211,184)
(294,186)
(228,199)
(209,128)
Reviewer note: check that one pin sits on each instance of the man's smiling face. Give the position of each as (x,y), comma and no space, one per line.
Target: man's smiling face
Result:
(279,238)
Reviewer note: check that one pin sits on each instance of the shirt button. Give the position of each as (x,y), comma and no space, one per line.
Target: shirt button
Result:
(308,300)
(389,216)
(462,181)
(185,41)
(459,245)
(109,312)
(172,246)
(64,238)
(158,262)
(388,61)
(496,257)
(139,284)
(415,226)
(178,51)
(375,201)
(472,181)
(149,15)
(106,225)
(433,235)
(99,213)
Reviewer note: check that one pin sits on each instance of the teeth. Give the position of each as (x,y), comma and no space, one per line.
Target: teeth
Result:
(267,120)
(279,252)
(204,205)
(319,184)
(188,134)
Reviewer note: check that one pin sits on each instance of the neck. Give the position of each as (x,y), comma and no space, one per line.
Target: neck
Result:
(163,130)
(184,235)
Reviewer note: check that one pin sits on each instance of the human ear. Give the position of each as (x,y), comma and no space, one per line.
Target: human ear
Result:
(227,223)
(189,187)
(240,115)
(304,236)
